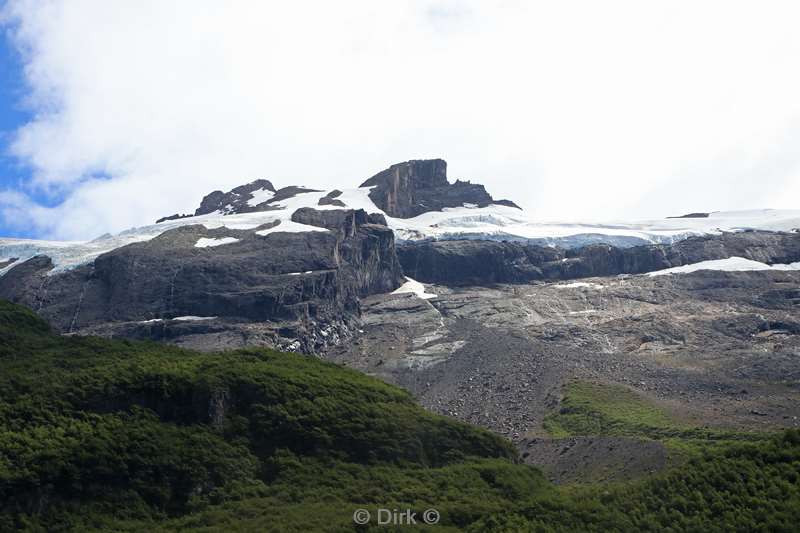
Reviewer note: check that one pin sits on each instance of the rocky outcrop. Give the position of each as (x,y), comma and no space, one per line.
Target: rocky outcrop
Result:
(331,199)
(176,216)
(235,198)
(345,221)
(693,215)
(259,195)
(364,242)
(473,262)
(409,189)
(288,279)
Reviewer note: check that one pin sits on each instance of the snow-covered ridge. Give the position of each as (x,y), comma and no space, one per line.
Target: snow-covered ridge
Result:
(69,254)
(506,223)
(494,222)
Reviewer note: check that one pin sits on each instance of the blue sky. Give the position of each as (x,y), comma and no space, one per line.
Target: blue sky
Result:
(13,174)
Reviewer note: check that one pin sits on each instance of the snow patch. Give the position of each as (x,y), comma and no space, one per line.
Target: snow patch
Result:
(190,318)
(289,226)
(259,197)
(579,285)
(355,199)
(204,242)
(732,264)
(414,287)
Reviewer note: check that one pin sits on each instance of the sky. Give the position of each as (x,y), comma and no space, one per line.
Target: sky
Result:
(113,114)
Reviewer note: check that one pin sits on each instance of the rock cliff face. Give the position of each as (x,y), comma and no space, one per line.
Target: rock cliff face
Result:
(289,283)
(364,243)
(472,262)
(409,189)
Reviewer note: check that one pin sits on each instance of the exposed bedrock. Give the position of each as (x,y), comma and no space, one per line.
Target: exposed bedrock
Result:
(236,198)
(409,189)
(473,262)
(283,277)
(258,195)
(364,243)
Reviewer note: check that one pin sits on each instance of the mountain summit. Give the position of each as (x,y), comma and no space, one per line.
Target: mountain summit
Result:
(404,190)
(409,189)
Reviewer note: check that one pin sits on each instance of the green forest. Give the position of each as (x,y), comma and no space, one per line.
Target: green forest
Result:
(113,435)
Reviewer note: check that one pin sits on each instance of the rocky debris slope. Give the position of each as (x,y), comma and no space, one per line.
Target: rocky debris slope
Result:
(408,189)
(474,262)
(594,459)
(717,348)
(221,287)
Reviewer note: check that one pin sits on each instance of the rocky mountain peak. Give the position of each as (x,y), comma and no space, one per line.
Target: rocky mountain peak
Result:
(420,173)
(403,190)
(409,189)
(240,199)
(258,195)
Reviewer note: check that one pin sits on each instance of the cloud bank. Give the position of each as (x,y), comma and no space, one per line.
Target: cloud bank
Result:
(576,110)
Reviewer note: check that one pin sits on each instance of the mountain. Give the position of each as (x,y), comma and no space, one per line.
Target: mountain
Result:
(288,267)
(604,353)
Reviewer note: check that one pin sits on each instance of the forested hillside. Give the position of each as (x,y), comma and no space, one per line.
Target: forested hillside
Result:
(98,434)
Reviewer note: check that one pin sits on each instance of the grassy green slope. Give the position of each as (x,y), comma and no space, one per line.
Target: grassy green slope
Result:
(612,410)
(122,436)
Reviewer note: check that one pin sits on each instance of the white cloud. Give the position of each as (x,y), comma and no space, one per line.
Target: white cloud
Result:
(573,109)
